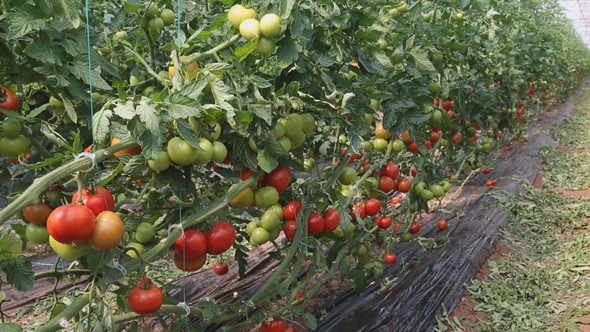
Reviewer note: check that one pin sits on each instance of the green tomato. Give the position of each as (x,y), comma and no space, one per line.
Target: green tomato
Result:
(406,237)
(212,130)
(252,225)
(382,44)
(235,16)
(106,50)
(122,35)
(56,103)
(436,115)
(151,10)
(274,234)
(156,24)
(427,17)
(368,117)
(347,176)
(338,232)
(133,80)
(279,130)
(250,13)
(398,145)
(68,251)
(285,143)
(419,188)
(137,246)
(279,210)
(428,109)
(260,236)
(14,147)
(443,95)
(250,28)
(37,234)
(266,197)
(446,185)
(445,142)
(346,193)
(265,46)
(219,152)
(145,21)
(402,8)
(270,220)
(167,16)
(297,140)
(380,144)
(434,87)
(454,178)
(11,129)
(293,124)
(270,25)
(393,13)
(309,164)
(206,154)
(144,232)
(161,163)
(372,182)
(342,139)
(426,195)
(308,123)
(367,147)
(180,152)
(437,190)
(437,57)
(360,250)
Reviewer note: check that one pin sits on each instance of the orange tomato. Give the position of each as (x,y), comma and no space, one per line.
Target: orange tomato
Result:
(134,150)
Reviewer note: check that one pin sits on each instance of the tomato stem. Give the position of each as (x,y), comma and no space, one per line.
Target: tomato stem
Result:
(147,67)
(209,53)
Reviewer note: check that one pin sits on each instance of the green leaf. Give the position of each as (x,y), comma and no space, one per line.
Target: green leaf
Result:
(370,65)
(310,321)
(182,107)
(147,115)
(242,262)
(262,111)
(10,327)
(242,52)
(384,60)
(421,60)
(79,68)
(68,9)
(286,8)
(187,132)
(193,90)
(22,23)
(344,267)
(246,156)
(10,243)
(274,147)
(105,316)
(266,161)
(220,92)
(19,272)
(70,110)
(218,68)
(258,81)
(38,50)
(101,124)
(287,52)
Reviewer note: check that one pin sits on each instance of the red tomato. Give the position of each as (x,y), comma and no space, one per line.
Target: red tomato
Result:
(189,265)
(315,223)
(476,126)
(97,200)
(220,269)
(456,137)
(191,245)
(396,227)
(413,147)
(395,200)
(289,230)
(447,105)
(413,171)
(276,325)
(360,210)
(390,258)
(386,184)
(372,207)
(519,112)
(246,173)
(331,220)
(384,223)
(436,102)
(428,144)
(391,170)
(145,298)
(220,238)
(486,171)
(473,139)
(442,225)
(489,183)
(434,136)
(299,295)
(494,182)
(37,213)
(405,185)
(289,329)
(8,100)
(279,178)
(292,210)
(415,228)
(71,223)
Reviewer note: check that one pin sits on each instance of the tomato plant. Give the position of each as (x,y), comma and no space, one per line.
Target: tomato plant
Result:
(145,297)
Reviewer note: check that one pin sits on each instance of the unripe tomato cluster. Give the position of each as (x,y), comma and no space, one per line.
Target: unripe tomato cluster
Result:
(266,29)
(13,144)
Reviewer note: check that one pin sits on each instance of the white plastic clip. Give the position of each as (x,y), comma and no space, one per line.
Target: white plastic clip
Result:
(64,323)
(92,157)
(186,308)
(311,206)
(120,267)
(176,226)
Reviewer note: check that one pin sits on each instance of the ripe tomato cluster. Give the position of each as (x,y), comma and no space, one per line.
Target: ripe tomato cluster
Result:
(192,247)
